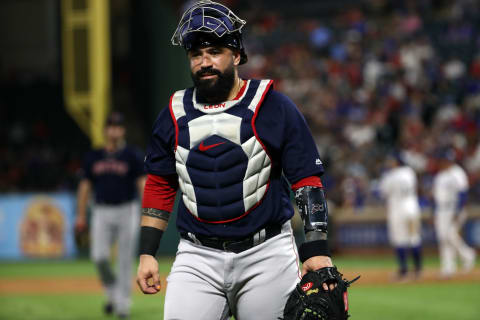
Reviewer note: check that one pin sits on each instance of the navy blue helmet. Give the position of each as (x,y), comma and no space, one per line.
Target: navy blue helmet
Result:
(208,23)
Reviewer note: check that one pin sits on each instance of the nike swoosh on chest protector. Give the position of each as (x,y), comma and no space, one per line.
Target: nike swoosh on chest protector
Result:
(203,147)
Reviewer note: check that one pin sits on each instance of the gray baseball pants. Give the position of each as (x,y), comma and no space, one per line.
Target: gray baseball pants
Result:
(210,284)
(115,224)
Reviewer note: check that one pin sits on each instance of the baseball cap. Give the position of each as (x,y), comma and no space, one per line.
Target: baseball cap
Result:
(115,119)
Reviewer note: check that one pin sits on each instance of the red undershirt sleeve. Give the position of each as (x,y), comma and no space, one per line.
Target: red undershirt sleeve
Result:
(312,181)
(160,191)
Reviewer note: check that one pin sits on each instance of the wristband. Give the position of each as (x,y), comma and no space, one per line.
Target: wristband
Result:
(312,249)
(150,240)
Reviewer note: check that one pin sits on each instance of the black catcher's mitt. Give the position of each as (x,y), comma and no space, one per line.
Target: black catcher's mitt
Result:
(309,301)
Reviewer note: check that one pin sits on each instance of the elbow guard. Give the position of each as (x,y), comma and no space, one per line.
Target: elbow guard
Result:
(312,206)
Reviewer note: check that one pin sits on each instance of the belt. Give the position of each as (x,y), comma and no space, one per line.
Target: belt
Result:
(234,245)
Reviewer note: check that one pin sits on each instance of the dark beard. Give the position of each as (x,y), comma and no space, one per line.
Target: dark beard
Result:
(214,91)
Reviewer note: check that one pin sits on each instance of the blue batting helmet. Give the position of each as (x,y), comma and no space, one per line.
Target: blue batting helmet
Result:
(208,23)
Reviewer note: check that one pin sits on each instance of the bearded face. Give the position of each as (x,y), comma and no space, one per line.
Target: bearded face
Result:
(213,86)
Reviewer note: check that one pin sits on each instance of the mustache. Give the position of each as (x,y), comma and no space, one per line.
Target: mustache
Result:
(207,72)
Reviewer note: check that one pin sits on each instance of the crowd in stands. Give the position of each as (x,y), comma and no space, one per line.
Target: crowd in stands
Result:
(373,78)
(41,147)
(370,77)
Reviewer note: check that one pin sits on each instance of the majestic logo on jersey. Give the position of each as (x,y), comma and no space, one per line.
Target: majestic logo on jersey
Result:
(203,147)
(230,180)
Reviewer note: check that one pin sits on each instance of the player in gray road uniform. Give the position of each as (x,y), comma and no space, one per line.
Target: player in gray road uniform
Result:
(229,145)
(115,175)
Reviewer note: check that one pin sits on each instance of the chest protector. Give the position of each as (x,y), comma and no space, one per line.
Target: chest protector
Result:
(223,168)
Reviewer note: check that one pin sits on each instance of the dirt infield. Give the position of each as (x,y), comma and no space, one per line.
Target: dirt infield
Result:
(54,285)
(92,285)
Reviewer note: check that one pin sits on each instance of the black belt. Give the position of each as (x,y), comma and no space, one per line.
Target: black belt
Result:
(235,245)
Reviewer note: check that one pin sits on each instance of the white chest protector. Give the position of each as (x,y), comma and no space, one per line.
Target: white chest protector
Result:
(223,167)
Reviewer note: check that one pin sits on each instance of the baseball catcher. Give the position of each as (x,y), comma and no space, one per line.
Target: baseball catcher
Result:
(233,148)
(309,300)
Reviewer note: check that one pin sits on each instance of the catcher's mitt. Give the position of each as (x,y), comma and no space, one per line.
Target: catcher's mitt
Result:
(310,301)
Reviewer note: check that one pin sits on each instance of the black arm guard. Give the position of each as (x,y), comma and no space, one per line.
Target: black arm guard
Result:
(314,212)
(313,209)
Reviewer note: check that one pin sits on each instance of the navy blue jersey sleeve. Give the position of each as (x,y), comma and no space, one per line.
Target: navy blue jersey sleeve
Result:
(160,158)
(284,131)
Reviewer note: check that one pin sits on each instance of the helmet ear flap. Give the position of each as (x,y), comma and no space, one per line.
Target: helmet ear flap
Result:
(243,55)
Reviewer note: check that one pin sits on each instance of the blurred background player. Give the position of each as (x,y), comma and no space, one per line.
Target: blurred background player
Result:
(450,187)
(399,187)
(115,175)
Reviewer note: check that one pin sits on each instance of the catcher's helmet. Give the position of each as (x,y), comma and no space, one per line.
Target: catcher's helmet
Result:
(208,23)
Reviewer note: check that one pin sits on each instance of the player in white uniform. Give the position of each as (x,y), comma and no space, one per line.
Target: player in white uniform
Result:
(450,188)
(399,187)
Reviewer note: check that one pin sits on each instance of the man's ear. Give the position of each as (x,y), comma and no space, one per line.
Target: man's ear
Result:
(236,57)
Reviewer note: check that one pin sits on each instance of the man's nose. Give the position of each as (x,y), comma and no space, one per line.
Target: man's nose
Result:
(206,61)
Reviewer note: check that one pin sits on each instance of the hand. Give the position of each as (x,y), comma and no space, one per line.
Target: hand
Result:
(315,263)
(148,270)
(80,223)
